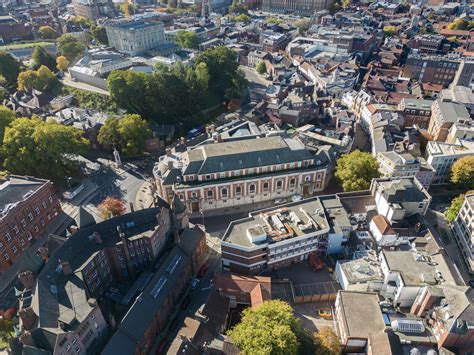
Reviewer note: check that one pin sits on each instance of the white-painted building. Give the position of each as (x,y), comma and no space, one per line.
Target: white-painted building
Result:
(464,231)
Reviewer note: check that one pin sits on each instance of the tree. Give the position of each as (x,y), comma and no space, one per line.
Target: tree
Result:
(273,21)
(326,342)
(7,116)
(237,8)
(62,63)
(39,148)
(112,207)
(129,133)
(270,328)
(187,39)
(100,34)
(242,18)
(81,21)
(459,24)
(302,25)
(42,79)
(9,68)
(356,170)
(70,47)
(261,68)
(389,31)
(453,210)
(224,73)
(41,57)
(6,329)
(462,172)
(47,32)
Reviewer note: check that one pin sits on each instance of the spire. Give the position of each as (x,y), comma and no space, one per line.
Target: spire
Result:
(84,219)
(177,206)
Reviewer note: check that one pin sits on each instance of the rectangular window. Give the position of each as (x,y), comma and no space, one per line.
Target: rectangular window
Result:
(5,256)
(50,199)
(30,216)
(23,223)
(37,210)
(44,204)
(14,249)
(8,237)
(16,230)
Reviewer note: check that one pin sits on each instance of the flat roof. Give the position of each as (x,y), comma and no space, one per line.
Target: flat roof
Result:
(278,223)
(362,313)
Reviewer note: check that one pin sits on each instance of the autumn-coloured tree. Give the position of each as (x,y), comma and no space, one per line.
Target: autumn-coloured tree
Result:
(462,172)
(326,342)
(112,207)
(62,63)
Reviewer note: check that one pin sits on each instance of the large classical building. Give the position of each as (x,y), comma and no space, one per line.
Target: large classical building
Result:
(228,173)
(134,36)
(464,231)
(93,9)
(300,7)
(27,206)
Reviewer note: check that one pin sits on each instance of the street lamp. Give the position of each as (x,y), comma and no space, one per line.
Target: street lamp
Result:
(202,215)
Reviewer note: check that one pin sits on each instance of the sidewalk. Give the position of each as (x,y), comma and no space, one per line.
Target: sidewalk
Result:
(144,198)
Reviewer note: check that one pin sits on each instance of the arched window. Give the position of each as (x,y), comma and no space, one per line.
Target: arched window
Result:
(265,186)
(279,185)
(238,191)
(252,188)
(210,194)
(292,182)
(224,193)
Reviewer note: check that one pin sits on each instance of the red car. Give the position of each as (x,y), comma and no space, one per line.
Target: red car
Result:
(202,271)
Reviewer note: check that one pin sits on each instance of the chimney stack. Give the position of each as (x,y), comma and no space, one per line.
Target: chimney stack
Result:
(28,317)
(27,279)
(97,238)
(183,140)
(170,164)
(168,152)
(43,252)
(132,208)
(66,267)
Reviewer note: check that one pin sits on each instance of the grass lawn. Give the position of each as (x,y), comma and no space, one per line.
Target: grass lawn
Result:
(24,45)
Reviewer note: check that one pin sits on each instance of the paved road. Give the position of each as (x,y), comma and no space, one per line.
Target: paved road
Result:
(257,83)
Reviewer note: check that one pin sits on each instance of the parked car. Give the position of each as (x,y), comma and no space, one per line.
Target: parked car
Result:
(325,312)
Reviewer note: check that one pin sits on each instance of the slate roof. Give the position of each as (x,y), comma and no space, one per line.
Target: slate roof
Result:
(84,219)
(15,189)
(68,301)
(244,154)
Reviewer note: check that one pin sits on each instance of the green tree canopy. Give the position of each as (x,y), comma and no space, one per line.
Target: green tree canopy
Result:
(462,172)
(453,210)
(172,94)
(70,47)
(356,170)
(41,57)
(82,21)
(273,20)
(42,79)
(224,73)
(261,68)
(7,116)
(39,148)
(128,133)
(270,328)
(302,25)
(237,8)
(6,329)
(187,39)
(9,68)
(47,32)
(389,30)
(242,18)
(100,34)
